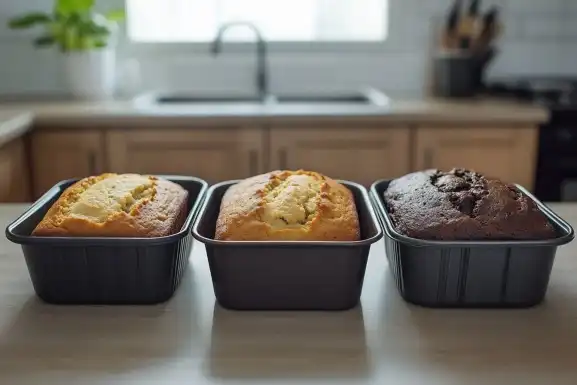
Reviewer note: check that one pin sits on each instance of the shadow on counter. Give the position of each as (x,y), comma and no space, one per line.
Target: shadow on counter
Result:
(267,345)
(97,339)
(540,341)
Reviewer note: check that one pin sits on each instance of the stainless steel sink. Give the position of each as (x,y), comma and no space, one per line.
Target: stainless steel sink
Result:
(184,98)
(182,101)
(368,97)
(307,99)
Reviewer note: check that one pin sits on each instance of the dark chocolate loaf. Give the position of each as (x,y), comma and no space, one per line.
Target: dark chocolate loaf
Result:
(463,205)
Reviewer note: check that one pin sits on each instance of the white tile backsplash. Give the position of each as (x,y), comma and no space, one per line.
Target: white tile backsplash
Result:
(541,29)
(24,69)
(513,30)
(540,37)
(547,61)
(570,7)
(536,7)
(569,26)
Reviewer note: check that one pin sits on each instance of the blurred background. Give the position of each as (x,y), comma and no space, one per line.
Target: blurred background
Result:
(224,89)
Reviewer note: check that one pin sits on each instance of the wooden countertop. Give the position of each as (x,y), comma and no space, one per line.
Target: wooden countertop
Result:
(189,340)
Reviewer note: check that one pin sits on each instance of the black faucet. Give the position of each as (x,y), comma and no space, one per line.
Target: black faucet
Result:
(261,75)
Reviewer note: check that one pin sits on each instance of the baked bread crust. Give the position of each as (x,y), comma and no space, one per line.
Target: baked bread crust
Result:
(288,206)
(463,205)
(117,205)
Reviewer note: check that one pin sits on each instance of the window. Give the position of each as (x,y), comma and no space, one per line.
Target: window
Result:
(279,20)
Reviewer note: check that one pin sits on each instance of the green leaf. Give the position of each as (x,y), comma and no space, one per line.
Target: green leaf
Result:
(84,43)
(72,26)
(70,39)
(29,20)
(90,28)
(44,41)
(66,7)
(55,29)
(115,15)
(97,30)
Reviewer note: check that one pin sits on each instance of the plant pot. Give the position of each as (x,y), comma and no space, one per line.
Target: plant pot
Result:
(91,74)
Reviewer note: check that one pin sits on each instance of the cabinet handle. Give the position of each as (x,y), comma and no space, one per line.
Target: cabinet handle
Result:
(92,163)
(253,162)
(428,158)
(282,159)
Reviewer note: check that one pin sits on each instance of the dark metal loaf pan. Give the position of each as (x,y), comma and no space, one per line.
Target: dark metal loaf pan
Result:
(293,275)
(97,270)
(485,273)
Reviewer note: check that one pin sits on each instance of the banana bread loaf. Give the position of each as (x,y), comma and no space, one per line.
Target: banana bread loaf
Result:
(463,205)
(288,205)
(112,205)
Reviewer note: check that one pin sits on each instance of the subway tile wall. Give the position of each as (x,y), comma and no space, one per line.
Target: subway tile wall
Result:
(540,37)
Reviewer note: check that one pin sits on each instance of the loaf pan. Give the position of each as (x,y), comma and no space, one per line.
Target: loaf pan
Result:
(98,270)
(283,275)
(477,274)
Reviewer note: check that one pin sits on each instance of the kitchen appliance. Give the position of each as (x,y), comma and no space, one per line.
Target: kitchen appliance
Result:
(556,172)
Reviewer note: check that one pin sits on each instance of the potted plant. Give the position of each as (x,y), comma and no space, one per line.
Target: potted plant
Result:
(86,40)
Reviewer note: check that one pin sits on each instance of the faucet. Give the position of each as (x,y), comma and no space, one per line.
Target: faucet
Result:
(261,75)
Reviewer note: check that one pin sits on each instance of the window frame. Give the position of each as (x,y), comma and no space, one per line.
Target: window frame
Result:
(274,47)
(232,47)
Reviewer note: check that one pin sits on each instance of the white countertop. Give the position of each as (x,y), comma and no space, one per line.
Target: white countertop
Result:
(190,341)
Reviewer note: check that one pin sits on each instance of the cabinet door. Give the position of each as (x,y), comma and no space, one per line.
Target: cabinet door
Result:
(14,173)
(360,154)
(506,153)
(63,155)
(214,154)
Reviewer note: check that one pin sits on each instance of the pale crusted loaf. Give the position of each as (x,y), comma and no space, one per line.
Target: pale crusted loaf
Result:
(117,205)
(288,205)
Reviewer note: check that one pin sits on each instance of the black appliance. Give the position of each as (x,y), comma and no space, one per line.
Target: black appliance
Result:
(556,172)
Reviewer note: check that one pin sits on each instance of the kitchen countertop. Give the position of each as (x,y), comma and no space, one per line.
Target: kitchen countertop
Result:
(13,124)
(134,113)
(189,340)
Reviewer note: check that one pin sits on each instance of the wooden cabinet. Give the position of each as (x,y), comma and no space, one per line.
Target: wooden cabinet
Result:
(59,155)
(358,151)
(506,153)
(361,154)
(214,154)
(14,175)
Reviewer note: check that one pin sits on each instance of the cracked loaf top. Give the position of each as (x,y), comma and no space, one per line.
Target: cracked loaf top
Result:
(463,205)
(289,206)
(117,205)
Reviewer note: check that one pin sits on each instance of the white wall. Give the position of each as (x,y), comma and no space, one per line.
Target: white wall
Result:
(540,38)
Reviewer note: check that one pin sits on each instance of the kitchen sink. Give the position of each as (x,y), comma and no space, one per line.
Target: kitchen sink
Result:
(197,99)
(346,99)
(369,97)
(187,99)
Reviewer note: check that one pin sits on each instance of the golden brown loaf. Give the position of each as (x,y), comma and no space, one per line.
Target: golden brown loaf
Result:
(288,205)
(117,205)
